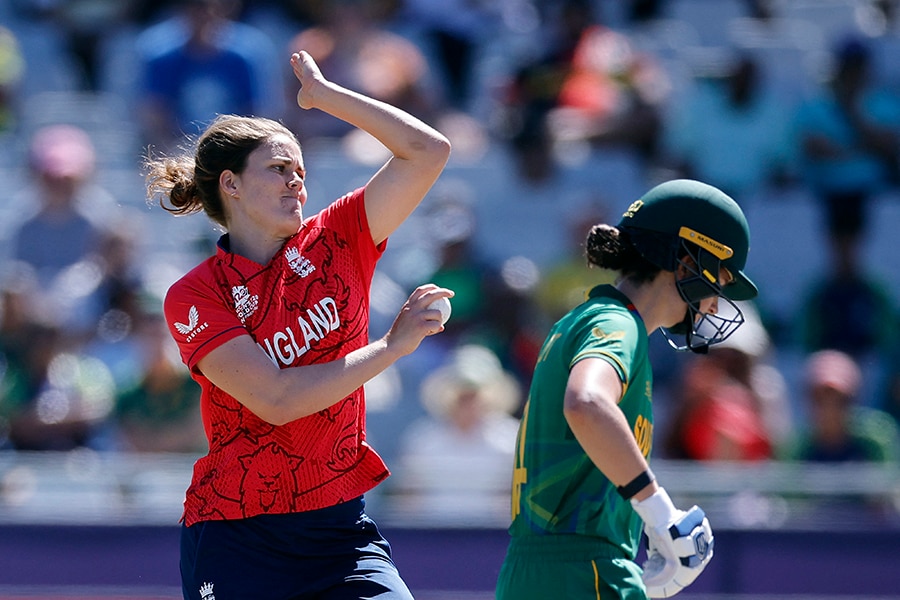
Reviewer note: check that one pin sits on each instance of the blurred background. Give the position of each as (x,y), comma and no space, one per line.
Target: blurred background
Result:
(561,113)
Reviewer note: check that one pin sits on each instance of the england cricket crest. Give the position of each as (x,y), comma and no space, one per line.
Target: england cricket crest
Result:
(206,592)
(299,264)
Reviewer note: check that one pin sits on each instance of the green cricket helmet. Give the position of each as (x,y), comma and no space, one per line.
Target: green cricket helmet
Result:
(695,225)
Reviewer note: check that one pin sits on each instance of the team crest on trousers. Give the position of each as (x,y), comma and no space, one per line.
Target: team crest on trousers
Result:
(206,592)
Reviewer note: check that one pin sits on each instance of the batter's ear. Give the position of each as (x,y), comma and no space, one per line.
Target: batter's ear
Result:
(685,265)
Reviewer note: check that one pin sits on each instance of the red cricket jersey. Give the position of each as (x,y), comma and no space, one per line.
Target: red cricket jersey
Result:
(309,304)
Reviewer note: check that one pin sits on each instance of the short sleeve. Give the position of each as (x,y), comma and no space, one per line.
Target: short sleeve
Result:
(609,335)
(347,216)
(198,318)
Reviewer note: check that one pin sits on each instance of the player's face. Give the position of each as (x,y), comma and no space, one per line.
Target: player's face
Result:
(271,191)
(710,306)
(705,296)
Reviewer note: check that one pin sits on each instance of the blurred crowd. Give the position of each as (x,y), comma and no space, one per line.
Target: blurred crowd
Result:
(560,112)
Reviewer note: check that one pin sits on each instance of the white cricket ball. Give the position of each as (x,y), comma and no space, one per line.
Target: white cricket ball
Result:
(442,304)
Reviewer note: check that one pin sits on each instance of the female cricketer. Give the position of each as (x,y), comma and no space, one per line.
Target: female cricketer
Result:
(581,483)
(274,328)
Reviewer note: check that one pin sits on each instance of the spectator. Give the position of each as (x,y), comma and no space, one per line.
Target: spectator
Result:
(161,411)
(847,308)
(454,463)
(62,159)
(611,94)
(59,241)
(121,286)
(120,299)
(202,62)
(492,304)
(59,398)
(352,44)
(83,26)
(885,42)
(735,403)
(566,282)
(454,32)
(640,11)
(12,68)
(731,131)
(588,84)
(451,226)
(847,139)
(840,429)
(16,327)
(890,392)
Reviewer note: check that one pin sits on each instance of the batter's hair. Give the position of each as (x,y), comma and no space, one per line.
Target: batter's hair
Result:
(188,183)
(611,248)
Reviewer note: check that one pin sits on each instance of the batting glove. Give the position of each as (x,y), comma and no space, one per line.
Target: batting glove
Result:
(680,544)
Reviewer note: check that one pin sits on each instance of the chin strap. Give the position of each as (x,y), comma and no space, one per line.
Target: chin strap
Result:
(701,330)
(701,349)
(686,328)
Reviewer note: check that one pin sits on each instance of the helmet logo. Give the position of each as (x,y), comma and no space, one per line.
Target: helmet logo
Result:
(717,249)
(635,206)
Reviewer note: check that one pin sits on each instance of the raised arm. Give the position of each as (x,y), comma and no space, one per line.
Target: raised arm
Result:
(279,396)
(419,152)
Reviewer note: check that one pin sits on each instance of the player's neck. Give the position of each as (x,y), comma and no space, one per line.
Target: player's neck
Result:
(258,249)
(658,301)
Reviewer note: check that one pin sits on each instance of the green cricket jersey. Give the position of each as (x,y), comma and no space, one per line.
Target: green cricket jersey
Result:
(556,487)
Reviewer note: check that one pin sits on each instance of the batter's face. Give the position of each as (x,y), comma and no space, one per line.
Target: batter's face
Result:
(708,305)
(270,192)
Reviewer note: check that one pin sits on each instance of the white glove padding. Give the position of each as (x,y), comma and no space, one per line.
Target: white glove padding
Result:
(680,544)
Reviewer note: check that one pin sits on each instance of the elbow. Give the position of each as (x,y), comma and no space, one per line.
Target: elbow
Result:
(274,404)
(445,145)
(434,143)
(440,148)
(428,151)
(282,404)
(584,408)
(272,412)
(276,417)
(576,408)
